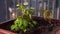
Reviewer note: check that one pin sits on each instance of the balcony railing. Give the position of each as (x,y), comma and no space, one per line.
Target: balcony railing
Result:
(37,5)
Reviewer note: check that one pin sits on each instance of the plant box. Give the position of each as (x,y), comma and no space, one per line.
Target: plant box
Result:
(42,27)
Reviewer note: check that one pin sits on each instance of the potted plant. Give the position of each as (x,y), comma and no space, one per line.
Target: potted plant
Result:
(28,24)
(24,21)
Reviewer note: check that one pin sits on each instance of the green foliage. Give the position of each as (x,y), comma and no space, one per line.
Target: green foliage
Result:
(23,20)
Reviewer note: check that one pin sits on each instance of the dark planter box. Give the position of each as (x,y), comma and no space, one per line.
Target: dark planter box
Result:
(42,24)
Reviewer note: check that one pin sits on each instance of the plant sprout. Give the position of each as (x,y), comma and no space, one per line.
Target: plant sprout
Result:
(47,15)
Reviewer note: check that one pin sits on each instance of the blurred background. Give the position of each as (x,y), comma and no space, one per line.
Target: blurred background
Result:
(8,8)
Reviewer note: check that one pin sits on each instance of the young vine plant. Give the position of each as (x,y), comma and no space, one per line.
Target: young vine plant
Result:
(24,20)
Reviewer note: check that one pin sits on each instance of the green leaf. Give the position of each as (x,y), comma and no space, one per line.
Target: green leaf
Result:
(25,22)
(16,27)
(12,27)
(31,25)
(16,21)
(18,8)
(25,30)
(30,16)
(20,23)
(34,22)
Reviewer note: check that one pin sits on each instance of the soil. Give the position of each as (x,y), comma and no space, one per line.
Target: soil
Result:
(42,27)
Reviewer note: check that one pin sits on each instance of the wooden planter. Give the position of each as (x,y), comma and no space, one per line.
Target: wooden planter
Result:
(5,26)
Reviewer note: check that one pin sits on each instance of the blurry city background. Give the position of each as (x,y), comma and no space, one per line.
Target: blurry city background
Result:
(8,8)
